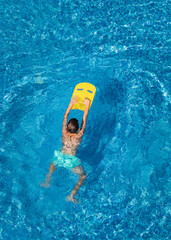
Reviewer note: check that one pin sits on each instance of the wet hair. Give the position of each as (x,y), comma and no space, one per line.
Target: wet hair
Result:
(73,125)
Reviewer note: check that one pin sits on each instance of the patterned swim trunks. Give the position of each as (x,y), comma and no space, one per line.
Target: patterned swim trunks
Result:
(65,160)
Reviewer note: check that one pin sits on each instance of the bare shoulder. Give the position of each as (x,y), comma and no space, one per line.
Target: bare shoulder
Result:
(80,134)
(69,135)
(66,136)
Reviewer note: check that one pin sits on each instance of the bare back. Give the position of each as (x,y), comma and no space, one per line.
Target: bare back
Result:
(70,142)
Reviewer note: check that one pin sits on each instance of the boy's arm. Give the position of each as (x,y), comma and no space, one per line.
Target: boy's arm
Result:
(73,101)
(83,126)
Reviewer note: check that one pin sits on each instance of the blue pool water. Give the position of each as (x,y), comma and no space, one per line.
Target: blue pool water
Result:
(122,47)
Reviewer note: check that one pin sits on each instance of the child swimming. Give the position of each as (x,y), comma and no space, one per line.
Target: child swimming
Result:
(71,138)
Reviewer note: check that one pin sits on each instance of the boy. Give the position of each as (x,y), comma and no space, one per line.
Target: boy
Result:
(71,141)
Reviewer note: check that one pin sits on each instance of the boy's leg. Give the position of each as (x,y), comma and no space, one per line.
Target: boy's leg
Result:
(82,175)
(52,169)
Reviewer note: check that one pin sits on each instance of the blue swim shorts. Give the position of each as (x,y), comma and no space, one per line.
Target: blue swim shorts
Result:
(65,160)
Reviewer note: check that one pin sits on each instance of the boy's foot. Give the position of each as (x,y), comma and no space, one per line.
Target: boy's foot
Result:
(45,184)
(72,199)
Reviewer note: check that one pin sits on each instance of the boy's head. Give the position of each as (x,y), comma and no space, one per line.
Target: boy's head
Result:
(73,125)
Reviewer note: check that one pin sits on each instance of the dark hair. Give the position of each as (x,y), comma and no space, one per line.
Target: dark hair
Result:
(73,125)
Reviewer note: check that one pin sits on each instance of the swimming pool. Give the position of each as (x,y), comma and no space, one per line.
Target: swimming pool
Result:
(122,47)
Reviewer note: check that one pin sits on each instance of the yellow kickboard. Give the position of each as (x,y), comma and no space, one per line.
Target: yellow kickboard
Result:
(83,90)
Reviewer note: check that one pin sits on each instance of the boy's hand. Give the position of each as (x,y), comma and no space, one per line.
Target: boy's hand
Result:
(87,102)
(74,100)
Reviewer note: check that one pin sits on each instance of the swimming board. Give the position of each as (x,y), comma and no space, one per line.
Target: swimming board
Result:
(83,90)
